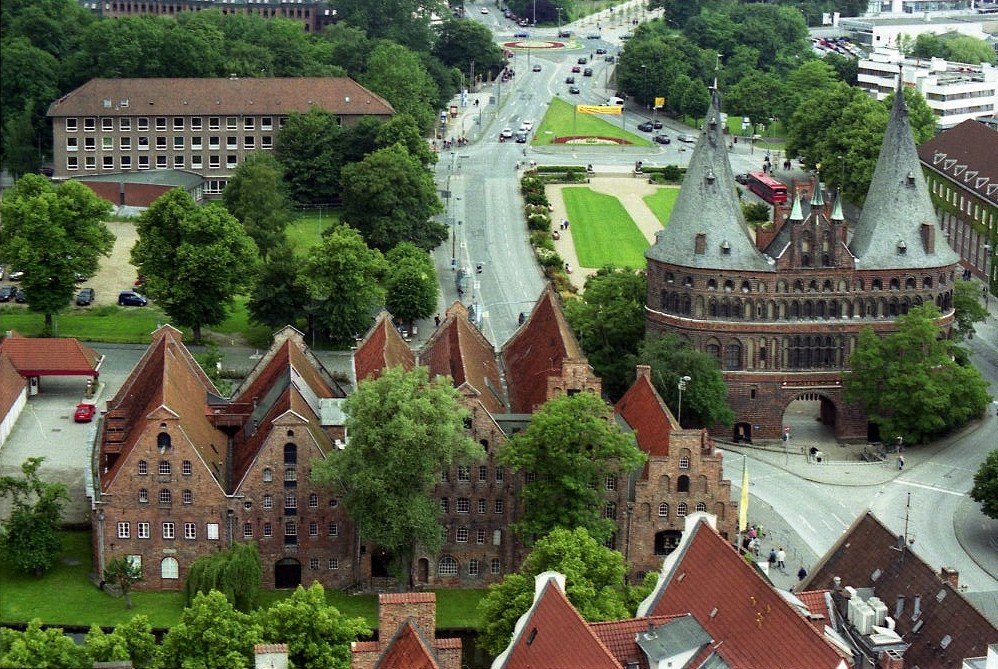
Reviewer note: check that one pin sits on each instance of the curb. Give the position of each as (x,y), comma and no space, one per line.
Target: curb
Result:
(959,529)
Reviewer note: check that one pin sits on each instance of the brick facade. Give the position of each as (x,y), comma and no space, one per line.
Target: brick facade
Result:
(407,624)
(312,14)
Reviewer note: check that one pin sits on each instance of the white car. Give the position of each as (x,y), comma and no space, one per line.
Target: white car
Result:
(484,10)
(506,133)
(527,125)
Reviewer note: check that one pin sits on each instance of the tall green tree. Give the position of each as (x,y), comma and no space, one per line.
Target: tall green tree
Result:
(404,430)
(20,145)
(908,382)
(317,634)
(236,573)
(391,198)
(122,573)
(195,259)
(758,96)
(609,321)
(280,296)
(570,446)
(37,647)
(411,283)
(705,400)
(404,21)
(985,490)
(30,539)
(255,196)
(52,233)
(402,129)
(132,640)
(461,43)
(398,75)
(307,148)
(967,309)
(211,634)
(342,279)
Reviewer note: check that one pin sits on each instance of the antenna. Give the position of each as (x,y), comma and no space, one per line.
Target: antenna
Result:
(717,67)
(904,540)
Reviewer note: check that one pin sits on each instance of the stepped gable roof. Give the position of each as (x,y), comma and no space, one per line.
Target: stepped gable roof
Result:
(288,355)
(537,351)
(708,203)
(867,556)
(750,623)
(12,385)
(185,96)
(645,413)
(552,635)
(965,154)
(407,650)
(897,205)
(166,377)
(381,348)
(50,356)
(459,350)
(621,636)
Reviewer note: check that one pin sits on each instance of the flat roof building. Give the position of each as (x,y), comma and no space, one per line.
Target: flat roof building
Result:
(314,15)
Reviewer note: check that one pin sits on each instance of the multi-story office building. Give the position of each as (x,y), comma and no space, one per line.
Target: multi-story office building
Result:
(955,92)
(314,15)
(874,32)
(204,126)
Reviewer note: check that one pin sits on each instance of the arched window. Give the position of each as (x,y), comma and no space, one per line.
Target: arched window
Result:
(681,509)
(143,468)
(895,284)
(712,284)
(162,441)
(683,484)
(663,510)
(714,350)
(610,511)
(927,282)
(733,356)
(688,282)
(169,568)
(268,475)
(909,283)
(729,285)
(687,305)
(799,286)
(712,307)
(290,454)
(746,287)
(670,277)
(877,285)
(447,566)
(795,309)
(826,287)
(701,507)
(781,286)
(805,260)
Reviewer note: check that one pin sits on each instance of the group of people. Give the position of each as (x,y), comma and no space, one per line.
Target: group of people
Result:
(460,141)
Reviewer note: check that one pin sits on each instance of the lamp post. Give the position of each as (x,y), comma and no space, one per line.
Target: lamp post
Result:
(644,79)
(682,386)
(987,274)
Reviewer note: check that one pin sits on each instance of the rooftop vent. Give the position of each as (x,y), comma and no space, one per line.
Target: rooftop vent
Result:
(710,177)
(107,103)
(945,641)
(911,178)
(902,248)
(346,98)
(725,248)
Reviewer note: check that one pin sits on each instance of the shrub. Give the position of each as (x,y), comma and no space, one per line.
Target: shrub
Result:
(549,258)
(537,198)
(539,222)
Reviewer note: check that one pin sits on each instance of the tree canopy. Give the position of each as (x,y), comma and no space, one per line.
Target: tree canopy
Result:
(211,634)
(399,75)
(132,640)
(37,647)
(461,43)
(955,47)
(280,296)
(985,488)
(571,445)
(255,196)
(908,382)
(30,539)
(411,283)
(967,309)
(404,430)
(236,573)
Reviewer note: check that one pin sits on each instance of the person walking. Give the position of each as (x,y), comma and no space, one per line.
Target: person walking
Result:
(772,557)
(900,463)
(801,573)
(781,559)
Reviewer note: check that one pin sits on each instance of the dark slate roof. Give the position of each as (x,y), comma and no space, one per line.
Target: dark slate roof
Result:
(708,203)
(896,206)
(678,636)
(177,178)
(966,154)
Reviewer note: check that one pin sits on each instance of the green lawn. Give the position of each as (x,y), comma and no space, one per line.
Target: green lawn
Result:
(65,596)
(662,201)
(109,323)
(306,231)
(562,121)
(602,230)
(238,323)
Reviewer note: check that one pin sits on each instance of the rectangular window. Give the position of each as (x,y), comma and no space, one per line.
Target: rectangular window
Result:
(124,531)
(164,468)
(89,144)
(281,121)
(126,162)
(90,163)
(483,506)
(267,142)
(611,482)
(169,531)
(143,162)
(190,531)
(266,123)
(125,124)
(249,142)
(473,568)
(213,142)
(107,162)
(178,122)
(231,123)
(463,473)
(483,473)
(334,530)
(196,123)
(213,162)
(89,124)
(107,143)
(268,530)
(211,531)
(196,143)
(161,143)
(500,506)
(125,143)
(178,143)
(313,563)
(445,476)
(178,162)
(107,124)
(188,497)
(268,502)
(161,123)
(500,473)
(462,535)
(231,142)
(230,161)
(72,163)
(463,505)
(143,143)
(249,122)
(247,530)
(186,468)
(72,125)
(334,563)
(142,123)
(480,536)
(213,123)
(160,162)
(72,143)
(143,530)
(313,529)
(496,567)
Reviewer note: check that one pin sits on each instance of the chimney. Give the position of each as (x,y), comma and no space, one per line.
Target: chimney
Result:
(396,607)
(644,372)
(951,576)
(700,245)
(929,237)
(890,659)
(270,656)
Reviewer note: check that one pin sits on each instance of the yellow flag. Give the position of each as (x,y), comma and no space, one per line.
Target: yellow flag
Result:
(743,502)
(599,109)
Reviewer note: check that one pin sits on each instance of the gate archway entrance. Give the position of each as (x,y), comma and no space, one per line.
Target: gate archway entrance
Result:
(287,573)
(811,418)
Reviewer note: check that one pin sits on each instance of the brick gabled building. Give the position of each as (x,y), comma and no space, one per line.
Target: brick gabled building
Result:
(407,624)
(781,310)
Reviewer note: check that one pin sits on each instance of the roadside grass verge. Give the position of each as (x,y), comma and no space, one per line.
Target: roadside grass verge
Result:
(661,203)
(560,120)
(602,230)
(108,323)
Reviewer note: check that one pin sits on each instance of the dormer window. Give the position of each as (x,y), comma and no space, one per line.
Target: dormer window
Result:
(902,248)
(911,178)
(710,177)
(725,246)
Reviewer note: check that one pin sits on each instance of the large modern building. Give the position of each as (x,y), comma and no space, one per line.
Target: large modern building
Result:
(203,126)
(782,309)
(312,14)
(961,166)
(955,92)
(874,32)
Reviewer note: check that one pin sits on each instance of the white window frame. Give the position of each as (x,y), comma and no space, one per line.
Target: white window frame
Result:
(72,144)
(142,123)
(462,535)
(124,530)
(143,162)
(72,125)
(190,531)
(124,124)
(161,162)
(126,162)
(107,162)
(178,143)
(90,162)
(124,143)
(107,124)
(178,124)
(196,123)
(169,530)
(142,531)
(72,163)
(169,568)
(161,126)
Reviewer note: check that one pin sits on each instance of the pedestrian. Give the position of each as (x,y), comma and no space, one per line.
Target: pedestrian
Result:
(436,320)
(801,573)
(781,558)
(900,462)
(752,533)
(567,224)
(772,557)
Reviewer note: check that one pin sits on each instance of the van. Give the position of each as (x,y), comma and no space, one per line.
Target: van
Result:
(615,101)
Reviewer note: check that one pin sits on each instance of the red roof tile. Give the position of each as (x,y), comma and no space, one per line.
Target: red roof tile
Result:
(620,636)
(645,412)
(383,347)
(407,598)
(407,650)
(869,548)
(448,643)
(816,603)
(748,620)
(12,385)
(50,356)
(270,648)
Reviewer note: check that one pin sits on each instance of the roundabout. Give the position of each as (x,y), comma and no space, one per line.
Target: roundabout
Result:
(534,44)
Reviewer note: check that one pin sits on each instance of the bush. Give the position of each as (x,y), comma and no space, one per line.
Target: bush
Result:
(560,168)
(236,573)
(549,258)
(539,222)
(541,240)
(537,198)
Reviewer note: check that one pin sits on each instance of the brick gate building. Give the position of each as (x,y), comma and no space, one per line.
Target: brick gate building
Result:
(782,309)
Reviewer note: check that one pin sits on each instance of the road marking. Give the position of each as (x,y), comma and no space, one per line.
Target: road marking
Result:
(805,523)
(839,520)
(932,487)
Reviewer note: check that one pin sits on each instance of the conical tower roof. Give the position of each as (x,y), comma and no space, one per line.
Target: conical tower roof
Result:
(708,204)
(888,235)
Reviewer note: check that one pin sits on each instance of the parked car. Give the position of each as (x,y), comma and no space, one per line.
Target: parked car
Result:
(19,296)
(129,298)
(593,36)
(647,126)
(6,293)
(742,179)
(16,275)
(536,68)
(84,413)
(85,297)
(600,51)
(574,90)
(569,80)
(657,124)
(484,10)
(662,139)
(608,59)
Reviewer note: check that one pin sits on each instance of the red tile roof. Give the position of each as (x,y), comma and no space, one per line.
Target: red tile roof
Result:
(407,598)
(554,636)
(645,412)
(748,620)
(620,636)
(869,548)
(50,356)
(186,97)
(270,648)
(407,650)
(12,385)
(458,350)
(383,347)
(817,604)
(536,352)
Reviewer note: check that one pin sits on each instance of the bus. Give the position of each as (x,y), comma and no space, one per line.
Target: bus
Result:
(768,188)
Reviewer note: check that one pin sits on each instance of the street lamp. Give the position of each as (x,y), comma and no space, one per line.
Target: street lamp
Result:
(682,386)
(644,79)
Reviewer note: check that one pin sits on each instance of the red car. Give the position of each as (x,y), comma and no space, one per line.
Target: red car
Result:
(576,68)
(84,413)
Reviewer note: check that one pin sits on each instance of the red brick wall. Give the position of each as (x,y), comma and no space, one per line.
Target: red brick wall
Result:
(392,614)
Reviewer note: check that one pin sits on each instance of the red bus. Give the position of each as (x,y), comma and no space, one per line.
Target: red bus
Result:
(768,188)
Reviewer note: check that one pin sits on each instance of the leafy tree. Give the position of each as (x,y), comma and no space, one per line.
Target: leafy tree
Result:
(30,78)
(52,233)
(398,75)
(967,309)
(255,196)
(402,129)
(351,47)
(123,573)
(609,321)
(404,21)
(37,647)
(132,640)
(846,68)
(210,361)
(307,149)
(756,213)
(342,279)
(411,283)
(705,400)
(985,488)
(461,43)
(20,150)
(757,96)
(390,197)
(280,295)
(236,573)
(571,444)
(594,583)
(317,634)
(211,634)
(195,259)
(908,382)
(968,49)
(30,539)
(404,430)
